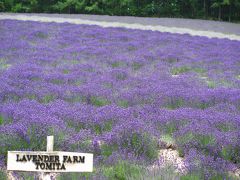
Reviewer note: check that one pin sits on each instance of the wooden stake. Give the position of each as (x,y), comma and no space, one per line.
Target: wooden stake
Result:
(50,143)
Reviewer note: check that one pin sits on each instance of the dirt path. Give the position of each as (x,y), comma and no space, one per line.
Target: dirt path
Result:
(205,28)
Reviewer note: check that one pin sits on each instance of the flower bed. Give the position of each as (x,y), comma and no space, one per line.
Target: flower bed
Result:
(120,93)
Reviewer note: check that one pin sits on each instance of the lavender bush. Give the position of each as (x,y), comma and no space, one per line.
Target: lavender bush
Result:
(120,94)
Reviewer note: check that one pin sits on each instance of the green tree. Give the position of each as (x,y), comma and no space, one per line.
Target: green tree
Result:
(231,4)
(68,6)
(218,4)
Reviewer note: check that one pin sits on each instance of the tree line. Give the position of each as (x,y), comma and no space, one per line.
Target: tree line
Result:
(226,10)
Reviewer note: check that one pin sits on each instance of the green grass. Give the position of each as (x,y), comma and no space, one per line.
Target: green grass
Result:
(35,79)
(117,64)
(75,62)
(3,175)
(108,85)
(170,128)
(32,96)
(99,101)
(204,105)
(226,127)
(107,150)
(78,83)
(182,140)
(99,129)
(172,60)
(136,66)
(131,48)
(77,126)
(211,84)
(4,64)
(167,139)
(191,177)
(174,104)
(205,140)
(47,98)
(35,141)
(76,176)
(184,69)
(225,83)
(123,170)
(12,97)
(82,144)
(121,76)
(11,142)
(5,120)
(199,70)
(75,98)
(231,154)
(66,71)
(180,70)
(199,175)
(141,144)
(218,83)
(164,173)
(26,175)
(41,35)
(57,81)
(123,103)
(1,120)
(202,140)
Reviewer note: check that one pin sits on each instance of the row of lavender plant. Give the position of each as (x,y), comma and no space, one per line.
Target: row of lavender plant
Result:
(120,94)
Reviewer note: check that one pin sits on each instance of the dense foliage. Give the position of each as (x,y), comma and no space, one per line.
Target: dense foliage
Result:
(120,94)
(207,9)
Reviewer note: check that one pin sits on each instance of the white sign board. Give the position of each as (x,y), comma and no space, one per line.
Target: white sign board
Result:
(54,161)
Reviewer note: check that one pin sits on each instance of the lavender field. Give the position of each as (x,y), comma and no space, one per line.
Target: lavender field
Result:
(123,95)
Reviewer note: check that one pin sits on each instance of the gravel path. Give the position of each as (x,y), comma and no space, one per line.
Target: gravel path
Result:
(211,29)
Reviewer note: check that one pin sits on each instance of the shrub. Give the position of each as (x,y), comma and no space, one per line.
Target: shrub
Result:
(203,142)
(141,144)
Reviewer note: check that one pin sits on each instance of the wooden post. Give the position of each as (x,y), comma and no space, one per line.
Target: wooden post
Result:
(50,143)
(10,176)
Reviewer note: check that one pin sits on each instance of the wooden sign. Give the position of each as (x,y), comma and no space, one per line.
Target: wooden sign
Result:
(49,161)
